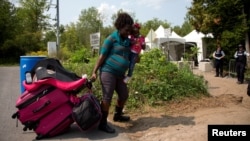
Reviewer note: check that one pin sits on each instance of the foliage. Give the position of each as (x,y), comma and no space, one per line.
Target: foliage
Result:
(30,41)
(27,27)
(22,28)
(81,55)
(69,38)
(38,53)
(189,55)
(49,36)
(154,80)
(9,50)
(153,24)
(7,21)
(64,53)
(89,22)
(33,23)
(227,20)
(224,18)
(32,13)
(10,53)
(184,29)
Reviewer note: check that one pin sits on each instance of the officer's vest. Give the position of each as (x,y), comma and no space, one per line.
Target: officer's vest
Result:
(218,53)
(241,57)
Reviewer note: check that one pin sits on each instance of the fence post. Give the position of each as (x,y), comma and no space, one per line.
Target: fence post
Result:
(231,68)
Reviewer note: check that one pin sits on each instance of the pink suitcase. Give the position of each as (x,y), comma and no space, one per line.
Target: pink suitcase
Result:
(34,105)
(56,122)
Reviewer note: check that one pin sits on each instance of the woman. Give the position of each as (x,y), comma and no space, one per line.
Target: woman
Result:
(219,55)
(112,65)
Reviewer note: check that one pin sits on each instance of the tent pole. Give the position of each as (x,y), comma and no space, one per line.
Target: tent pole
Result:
(168,50)
(184,48)
(151,40)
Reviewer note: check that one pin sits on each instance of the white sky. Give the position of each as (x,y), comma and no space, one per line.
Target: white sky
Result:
(173,11)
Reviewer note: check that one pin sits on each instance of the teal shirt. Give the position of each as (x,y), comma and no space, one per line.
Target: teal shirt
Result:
(117,51)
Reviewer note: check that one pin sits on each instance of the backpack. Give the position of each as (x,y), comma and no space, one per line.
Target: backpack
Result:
(87,111)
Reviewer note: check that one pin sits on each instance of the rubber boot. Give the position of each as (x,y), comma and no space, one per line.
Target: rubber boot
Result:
(118,116)
(221,74)
(103,126)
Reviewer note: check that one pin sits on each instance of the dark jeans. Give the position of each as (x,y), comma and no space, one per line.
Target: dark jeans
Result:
(240,70)
(132,58)
(219,67)
(112,83)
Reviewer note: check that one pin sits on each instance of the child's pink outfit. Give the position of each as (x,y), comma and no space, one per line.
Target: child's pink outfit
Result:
(137,44)
(136,48)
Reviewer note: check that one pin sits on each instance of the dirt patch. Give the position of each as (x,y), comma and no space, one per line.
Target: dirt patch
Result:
(188,119)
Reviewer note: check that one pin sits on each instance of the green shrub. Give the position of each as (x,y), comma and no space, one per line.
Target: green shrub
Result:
(155,80)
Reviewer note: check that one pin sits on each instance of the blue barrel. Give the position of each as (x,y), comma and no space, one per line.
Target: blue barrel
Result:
(26,64)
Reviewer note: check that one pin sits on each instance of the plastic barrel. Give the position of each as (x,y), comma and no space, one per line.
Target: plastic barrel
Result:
(26,64)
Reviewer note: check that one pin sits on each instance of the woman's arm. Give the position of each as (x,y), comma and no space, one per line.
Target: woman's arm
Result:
(97,66)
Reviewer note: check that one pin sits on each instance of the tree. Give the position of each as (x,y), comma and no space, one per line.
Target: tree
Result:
(8,21)
(32,14)
(153,24)
(89,22)
(69,38)
(9,29)
(184,29)
(217,17)
(33,23)
(225,19)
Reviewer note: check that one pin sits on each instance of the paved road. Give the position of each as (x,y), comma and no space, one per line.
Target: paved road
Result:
(9,131)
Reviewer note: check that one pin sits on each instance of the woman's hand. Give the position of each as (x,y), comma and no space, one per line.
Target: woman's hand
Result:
(93,77)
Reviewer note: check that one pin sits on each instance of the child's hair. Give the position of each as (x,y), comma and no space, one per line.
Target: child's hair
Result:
(137,25)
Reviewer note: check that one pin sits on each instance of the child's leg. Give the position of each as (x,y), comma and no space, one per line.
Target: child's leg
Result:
(132,63)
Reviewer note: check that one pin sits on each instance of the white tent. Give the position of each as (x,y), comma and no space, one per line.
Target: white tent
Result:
(172,38)
(161,36)
(172,43)
(175,44)
(150,39)
(160,32)
(196,37)
(174,35)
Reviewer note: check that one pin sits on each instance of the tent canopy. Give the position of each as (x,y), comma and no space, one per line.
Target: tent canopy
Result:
(169,41)
(150,36)
(175,43)
(194,36)
(161,36)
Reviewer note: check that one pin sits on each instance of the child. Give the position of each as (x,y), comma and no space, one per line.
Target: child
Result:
(138,43)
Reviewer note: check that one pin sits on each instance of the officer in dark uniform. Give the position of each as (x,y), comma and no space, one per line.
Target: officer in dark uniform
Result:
(218,62)
(240,64)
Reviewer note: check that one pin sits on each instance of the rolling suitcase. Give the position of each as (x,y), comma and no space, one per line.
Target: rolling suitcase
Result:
(56,122)
(34,105)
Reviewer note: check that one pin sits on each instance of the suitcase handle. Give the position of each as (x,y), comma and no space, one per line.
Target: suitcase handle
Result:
(42,106)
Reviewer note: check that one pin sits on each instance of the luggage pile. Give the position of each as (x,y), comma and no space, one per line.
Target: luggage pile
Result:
(50,103)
